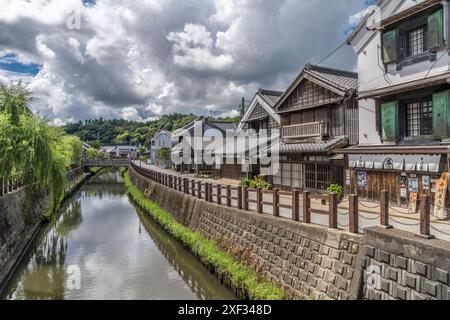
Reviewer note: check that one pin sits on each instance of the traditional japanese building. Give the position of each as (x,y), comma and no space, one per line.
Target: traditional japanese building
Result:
(318,114)
(403,52)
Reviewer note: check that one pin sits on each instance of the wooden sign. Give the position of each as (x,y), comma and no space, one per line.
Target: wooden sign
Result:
(412,206)
(440,197)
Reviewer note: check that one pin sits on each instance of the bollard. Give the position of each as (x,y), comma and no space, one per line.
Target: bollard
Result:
(384,209)
(259,202)
(353,214)
(199,189)
(207,192)
(306,207)
(245,198)
(425,217)
(219,194)
(332,199)
(275,202)
(295,205)
(228,196)
(239,197)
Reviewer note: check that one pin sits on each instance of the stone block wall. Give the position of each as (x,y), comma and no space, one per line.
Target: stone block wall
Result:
(402,266)
(15,224)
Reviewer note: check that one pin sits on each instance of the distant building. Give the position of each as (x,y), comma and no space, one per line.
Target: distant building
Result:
(123,152)
(162,139)
(207,129)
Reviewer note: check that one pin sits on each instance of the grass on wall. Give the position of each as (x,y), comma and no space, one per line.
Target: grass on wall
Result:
(240,275)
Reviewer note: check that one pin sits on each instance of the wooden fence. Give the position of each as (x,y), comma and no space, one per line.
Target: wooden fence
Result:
(295,202)
(10,185)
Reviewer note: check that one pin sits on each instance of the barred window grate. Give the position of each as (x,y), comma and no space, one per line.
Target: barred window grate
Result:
(420,118)
(417,41)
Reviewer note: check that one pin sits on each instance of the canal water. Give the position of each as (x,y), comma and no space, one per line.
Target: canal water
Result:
(103,247)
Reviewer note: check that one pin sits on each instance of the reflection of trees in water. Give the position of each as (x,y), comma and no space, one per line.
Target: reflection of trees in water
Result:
(204,284)
(45,275)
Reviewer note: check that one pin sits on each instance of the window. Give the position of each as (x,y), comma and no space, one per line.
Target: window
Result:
(419,118)
(417,41)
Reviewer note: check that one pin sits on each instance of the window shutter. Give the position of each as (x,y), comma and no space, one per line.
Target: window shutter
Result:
(436,30)
(378,115)
(441,114)
(389,121)
(390,46)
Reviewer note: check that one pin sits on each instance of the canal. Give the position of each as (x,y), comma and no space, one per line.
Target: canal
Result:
(103,247)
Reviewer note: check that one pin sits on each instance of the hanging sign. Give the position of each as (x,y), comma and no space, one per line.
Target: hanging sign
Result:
(441,192)
(361,178)
(426,182)
(413,185)
(433,184)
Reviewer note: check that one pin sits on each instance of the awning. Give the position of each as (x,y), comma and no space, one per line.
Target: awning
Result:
(395,162)
(311,147)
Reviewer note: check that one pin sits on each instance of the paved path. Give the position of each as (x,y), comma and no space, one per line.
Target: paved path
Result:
(368,212)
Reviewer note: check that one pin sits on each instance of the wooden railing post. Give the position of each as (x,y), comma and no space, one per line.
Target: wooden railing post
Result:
(199,189)
(211,194)
(332,199)
(306,207)
(193,187)
(295,205)
(179,184)
(425,217)
(275,202)
(186,185)
(228,196)
(170,181)
(206,191)
(259,201)
(245,198)
(384,209)
(239,197)
(353,226)
(219,194)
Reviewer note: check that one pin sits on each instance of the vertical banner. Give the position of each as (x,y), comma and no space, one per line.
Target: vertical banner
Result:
(440,197)
(412,207)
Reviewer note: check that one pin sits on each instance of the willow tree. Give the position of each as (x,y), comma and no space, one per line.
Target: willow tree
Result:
(30,148)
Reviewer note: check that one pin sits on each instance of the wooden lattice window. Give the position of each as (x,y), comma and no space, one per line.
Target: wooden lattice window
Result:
(417,42)
(317,175)
(419,118)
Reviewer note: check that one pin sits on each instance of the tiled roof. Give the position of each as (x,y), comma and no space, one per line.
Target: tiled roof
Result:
(302,147)
(270,96)
(343,79)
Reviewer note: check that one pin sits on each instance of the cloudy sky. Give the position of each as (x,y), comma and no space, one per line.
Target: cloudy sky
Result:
(140,59)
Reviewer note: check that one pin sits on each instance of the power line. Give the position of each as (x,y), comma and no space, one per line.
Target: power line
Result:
(332,53)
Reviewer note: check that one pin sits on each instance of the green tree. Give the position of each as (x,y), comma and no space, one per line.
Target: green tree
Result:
(14,100)
(31,149)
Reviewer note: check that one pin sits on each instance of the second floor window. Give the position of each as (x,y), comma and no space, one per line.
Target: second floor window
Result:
(417,42)
(419,118)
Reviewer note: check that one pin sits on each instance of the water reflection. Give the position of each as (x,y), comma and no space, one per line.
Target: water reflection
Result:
(121,254)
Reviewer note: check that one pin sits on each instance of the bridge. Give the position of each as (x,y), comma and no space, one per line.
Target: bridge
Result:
(106,163)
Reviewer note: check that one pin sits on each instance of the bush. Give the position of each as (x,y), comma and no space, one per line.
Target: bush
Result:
(338,189)
(258,182)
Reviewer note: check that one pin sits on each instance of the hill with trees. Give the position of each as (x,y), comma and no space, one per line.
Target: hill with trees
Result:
(98,132)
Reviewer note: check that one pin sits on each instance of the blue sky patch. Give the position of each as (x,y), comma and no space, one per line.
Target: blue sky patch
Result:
(9,63)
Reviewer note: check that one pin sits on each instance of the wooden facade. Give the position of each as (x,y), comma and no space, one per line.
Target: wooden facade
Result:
(318,112)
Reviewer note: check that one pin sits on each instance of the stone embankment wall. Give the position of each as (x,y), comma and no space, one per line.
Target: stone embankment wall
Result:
(311,262)
(400,265)
(315,262)
(17,222)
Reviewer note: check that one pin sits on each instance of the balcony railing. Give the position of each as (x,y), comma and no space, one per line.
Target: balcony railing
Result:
(305,130)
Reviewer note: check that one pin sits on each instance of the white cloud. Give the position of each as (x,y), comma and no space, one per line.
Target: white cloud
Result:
(141,59)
